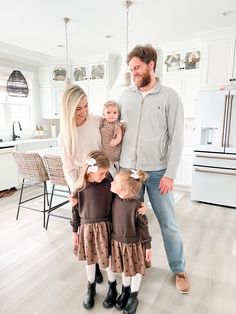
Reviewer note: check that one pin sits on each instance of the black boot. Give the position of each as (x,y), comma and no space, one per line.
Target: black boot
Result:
(88,302)
(110,298)
(132,304)
(98,275)
(123,298)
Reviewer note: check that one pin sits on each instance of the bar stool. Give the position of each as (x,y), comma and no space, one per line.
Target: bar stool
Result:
(32,171)
(53,165)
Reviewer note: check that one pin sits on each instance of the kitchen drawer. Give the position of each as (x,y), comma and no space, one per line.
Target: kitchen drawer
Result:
(214,185)
(215,160)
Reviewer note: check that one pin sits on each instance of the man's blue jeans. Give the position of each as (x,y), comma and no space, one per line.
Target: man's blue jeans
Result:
(164,209)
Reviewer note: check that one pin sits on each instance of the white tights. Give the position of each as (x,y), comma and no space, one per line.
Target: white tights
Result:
(90,270)
(132,281)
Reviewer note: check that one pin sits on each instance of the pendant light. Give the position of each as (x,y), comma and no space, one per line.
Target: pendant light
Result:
(66,20)
(127,75)
(17,85)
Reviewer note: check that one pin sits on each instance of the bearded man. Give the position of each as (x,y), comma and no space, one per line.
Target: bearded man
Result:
(153,142)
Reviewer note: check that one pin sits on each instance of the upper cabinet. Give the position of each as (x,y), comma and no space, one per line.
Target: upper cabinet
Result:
(184,60)
(181,72)
(96,75)
(51,85)
(219,60)
(89,72)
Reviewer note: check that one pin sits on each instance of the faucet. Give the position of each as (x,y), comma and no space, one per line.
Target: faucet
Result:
(14,136)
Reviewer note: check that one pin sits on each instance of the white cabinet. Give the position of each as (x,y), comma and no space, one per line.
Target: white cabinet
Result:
(32,145)
(96,75)
(219,64)
(184,173)
(8,169)
(182,73)
(52,84)
(186,83)
(50,97)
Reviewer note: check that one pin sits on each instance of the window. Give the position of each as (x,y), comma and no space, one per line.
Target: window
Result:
(15,108)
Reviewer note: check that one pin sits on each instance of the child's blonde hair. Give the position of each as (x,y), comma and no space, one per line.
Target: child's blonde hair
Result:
(131,185)
(112,103)
(102,161)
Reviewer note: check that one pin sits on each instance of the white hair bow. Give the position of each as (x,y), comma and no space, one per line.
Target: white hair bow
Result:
(134,174)
(92,168)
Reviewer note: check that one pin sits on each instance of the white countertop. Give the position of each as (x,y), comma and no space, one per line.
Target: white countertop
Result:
(48,151)
(22,141)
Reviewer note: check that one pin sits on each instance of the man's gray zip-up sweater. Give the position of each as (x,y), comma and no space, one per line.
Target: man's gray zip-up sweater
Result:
(154,137)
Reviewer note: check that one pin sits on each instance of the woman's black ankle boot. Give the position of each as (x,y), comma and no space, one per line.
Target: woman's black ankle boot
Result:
(123,298)
(98,275)
(110,299)
(88,302)
(132,304)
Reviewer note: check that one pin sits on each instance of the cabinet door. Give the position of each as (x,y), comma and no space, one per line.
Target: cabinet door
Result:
(56,101)
(190,87)
(46,102)
(96,91)
(50,97)
(173,79)
(184,174)
(8,169)
(218,63)
(186,84)
(97,96)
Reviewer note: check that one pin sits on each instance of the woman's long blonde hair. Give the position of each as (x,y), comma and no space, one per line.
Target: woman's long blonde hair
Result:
(71,97)
(130,185)
(102,161)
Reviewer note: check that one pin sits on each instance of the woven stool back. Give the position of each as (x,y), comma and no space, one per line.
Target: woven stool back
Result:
(53,165)
(30,167)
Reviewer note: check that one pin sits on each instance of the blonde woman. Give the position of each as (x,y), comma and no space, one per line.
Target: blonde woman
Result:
(79,132)
(79,135)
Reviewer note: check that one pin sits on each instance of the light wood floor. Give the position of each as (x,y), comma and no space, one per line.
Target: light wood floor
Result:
(40,275)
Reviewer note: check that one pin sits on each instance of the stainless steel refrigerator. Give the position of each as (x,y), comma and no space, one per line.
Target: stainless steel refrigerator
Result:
(214,166)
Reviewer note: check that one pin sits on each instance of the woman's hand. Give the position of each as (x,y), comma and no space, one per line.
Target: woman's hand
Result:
(73,200)
(148,255)
(143,209)
(114,142)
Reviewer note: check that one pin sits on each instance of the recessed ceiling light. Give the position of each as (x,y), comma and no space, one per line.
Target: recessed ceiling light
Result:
(108,36)
(60,46)
(229,12)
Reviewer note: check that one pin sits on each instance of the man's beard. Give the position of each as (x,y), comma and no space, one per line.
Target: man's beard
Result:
(142,81)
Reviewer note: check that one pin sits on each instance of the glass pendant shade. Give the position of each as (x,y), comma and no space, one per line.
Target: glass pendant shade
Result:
(17,85)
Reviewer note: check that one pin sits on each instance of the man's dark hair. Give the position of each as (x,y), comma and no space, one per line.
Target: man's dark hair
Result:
(145,53)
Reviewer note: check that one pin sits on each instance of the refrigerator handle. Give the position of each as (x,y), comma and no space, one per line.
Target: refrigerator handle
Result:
(229,119)
(224,122)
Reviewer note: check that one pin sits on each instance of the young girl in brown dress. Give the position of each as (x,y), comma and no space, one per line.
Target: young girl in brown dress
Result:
(91,224)
(131,243)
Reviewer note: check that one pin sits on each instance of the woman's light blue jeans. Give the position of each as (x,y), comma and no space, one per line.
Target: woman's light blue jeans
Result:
(164,209)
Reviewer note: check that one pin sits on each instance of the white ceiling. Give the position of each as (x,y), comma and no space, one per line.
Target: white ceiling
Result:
(36,24)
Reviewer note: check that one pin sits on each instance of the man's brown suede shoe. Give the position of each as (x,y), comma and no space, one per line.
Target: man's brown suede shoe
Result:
(182,282)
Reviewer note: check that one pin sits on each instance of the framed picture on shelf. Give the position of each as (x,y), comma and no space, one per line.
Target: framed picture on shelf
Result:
(80,73)
(59,74)
(172,62)
(192,60)
(97,71)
